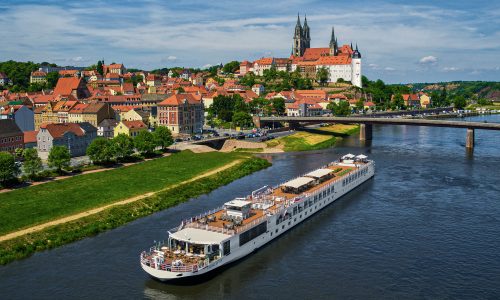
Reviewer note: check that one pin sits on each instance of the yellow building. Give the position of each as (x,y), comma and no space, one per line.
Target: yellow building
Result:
(135,115)
(425,100)
(38,77)
(130,128)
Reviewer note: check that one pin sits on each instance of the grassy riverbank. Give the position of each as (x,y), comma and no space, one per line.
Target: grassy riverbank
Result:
(313,139)
(39,204)
(58,235)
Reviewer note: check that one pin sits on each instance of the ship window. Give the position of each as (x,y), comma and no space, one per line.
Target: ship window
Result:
(226,248)
(283,227)
(251,234)
(289,223)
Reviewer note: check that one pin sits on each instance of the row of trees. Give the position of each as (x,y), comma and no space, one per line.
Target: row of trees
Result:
(103,151)
(233,109)
(278,81)
(59,158)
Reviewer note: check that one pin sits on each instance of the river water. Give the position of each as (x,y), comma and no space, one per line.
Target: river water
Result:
(426,226)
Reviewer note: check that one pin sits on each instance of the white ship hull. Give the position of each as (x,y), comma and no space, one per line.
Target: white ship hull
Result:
(274,229)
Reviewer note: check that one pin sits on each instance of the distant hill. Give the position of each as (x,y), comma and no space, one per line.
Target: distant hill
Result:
(482,89)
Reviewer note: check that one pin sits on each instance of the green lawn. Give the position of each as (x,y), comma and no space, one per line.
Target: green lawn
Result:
(38,204)
(313,139)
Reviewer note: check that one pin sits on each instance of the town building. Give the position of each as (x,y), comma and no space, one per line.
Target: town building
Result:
(4,79)
(114,68)
(73,86)
(11,136)
(30,139)
(258,89)
(130,128)
(21,114)
(106,128)
(182,114)
(75,136)
(38,77)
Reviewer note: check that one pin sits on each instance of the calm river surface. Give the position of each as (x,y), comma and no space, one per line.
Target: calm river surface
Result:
(426,226)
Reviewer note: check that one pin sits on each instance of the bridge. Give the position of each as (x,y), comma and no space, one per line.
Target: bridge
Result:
(366,123)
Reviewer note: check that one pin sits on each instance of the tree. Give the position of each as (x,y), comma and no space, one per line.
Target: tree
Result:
(163,137)
(322,76)
(52,78)
(32,162)
(8,167)
(459,102)
(398,101)
(341,109)
(18,153)
(59,157)
(100,150)
(360,104)
(231,67)
(144,142)
(123,145)
(279,106)
(100,68)
(242,119)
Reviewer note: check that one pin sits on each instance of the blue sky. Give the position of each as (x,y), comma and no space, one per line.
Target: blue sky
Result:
(401,41)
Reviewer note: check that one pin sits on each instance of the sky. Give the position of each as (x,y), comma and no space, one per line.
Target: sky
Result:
(400,41)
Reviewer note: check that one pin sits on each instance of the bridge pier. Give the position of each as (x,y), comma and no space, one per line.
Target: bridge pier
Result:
(469,138)
(365,132)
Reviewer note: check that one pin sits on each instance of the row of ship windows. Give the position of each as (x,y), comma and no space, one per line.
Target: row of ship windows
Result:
(308,203)
(354,176)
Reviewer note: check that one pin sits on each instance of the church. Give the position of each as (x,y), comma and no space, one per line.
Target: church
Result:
(341,62)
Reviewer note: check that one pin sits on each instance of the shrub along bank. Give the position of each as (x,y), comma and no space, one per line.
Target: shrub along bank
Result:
(58,235)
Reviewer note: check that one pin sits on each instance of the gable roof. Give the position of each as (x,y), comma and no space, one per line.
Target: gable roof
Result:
(178,99)
(66,85)
(134,124)
(57,130)
(30,136)
(315,53)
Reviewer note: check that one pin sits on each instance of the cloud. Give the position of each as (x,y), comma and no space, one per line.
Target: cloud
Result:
(139,36)
(451,69)
(206,66)
(428,60)
(389,69)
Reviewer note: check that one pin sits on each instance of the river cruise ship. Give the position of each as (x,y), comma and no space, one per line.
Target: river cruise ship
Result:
(218,237)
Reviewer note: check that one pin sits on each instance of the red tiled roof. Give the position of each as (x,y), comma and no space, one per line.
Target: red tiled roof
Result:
(334,60)
(177,99)
(315,53)
(264,61)
(134,124)
(59,129)
(30,136)
(38,73)
(66,85)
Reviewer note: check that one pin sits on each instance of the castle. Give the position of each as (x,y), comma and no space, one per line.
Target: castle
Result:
(341,62)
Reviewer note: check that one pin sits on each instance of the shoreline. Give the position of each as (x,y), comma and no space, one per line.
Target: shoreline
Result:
(112,217)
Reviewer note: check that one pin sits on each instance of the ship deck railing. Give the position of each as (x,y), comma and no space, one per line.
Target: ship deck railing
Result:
(147,258)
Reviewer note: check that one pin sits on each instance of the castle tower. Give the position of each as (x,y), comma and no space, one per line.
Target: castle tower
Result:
(307,35)
(356,68)
(334,50)
(298,39)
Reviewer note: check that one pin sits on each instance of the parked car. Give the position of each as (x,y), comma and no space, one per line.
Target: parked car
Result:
(178,140)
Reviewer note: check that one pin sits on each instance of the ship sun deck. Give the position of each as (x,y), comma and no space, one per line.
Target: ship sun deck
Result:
(312,181)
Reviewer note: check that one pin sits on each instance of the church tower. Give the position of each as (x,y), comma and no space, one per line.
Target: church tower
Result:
(298,39)
(356,68)
(334,48)
(307,35)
